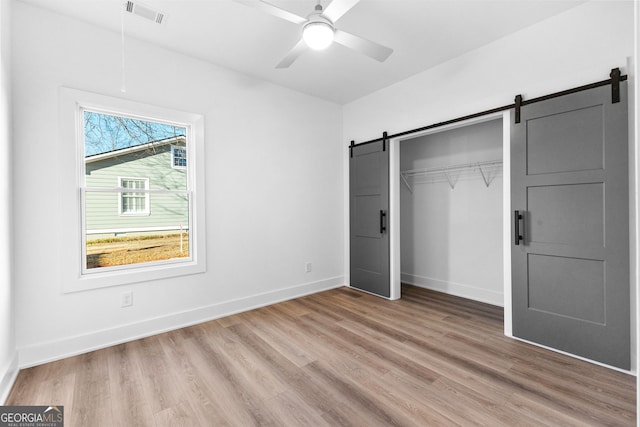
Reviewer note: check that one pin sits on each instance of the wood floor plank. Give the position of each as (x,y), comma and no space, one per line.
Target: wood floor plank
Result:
(335,358)
(291,409)
(91,395)
(304,381)
(408,403)
(241,397)
(206,407)
(281,337)
(377,414)
(249,366)
(442,366)
(213,395)
(158,376)
(125,381)
(375,352)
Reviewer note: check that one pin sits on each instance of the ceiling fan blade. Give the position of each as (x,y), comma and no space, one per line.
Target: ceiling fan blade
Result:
(293,54)
(337,8)
(274,10)
(364,46)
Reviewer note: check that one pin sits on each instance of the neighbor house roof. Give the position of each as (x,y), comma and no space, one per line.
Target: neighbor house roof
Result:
(134,149)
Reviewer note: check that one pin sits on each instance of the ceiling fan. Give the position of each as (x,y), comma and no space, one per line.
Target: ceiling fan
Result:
(319,31)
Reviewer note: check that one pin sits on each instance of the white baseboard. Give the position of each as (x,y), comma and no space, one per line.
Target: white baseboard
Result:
(457,289)
(8,376)
(71,346)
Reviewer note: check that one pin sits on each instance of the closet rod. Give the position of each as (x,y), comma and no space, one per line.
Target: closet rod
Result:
(450,168)
(615,77)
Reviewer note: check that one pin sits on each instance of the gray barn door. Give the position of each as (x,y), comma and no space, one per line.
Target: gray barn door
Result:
(369,207)
(569,169)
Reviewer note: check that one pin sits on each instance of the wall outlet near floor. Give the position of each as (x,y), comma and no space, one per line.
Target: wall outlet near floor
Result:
(307,267)
(126,299)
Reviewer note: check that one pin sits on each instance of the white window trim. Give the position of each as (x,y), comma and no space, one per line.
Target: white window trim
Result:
(173,161)
(75,277)
(147,210)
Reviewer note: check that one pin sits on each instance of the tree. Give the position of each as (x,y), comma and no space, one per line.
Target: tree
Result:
(104,132)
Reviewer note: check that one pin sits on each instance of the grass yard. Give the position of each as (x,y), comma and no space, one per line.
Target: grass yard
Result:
(134,250)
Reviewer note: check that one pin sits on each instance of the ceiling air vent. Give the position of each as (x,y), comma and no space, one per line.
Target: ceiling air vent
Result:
(145,12)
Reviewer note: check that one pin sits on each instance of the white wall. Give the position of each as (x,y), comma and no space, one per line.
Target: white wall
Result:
(574,48)
(8,360)
(274,188)
(451,239)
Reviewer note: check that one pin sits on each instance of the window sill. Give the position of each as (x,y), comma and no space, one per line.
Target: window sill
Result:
(164,270)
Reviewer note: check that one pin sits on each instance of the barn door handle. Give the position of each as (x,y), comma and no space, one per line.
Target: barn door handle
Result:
(517,217)
(383,222)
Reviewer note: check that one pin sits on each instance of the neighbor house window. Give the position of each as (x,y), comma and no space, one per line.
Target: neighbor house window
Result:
(178,157)
(134,202)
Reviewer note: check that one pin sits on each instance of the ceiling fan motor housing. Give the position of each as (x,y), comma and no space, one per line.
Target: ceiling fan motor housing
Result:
(318,32)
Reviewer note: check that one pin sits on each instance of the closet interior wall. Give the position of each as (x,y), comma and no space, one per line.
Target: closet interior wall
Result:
(451,238)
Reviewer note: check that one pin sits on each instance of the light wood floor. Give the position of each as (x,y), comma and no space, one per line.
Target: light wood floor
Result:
(336,358)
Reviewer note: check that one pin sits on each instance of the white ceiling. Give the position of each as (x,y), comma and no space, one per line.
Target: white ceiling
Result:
(423,33)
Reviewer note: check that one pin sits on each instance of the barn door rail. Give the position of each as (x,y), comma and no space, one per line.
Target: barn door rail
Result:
(487,170)
(615,78)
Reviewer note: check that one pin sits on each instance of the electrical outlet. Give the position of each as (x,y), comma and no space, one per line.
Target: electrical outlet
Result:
(126,299)
(307,267)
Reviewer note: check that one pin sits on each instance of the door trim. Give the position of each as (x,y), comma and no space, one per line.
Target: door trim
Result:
(394,204)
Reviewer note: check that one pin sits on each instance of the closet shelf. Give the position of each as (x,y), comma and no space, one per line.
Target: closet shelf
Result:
(488,170)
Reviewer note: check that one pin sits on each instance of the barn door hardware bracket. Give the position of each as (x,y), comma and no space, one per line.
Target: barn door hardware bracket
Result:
(615,85)
(384,140)
(353,143)
(518,106)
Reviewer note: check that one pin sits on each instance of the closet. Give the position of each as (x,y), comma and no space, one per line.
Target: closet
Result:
(564,246)
(451,215)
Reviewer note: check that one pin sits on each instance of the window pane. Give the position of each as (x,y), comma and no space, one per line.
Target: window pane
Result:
(134,203)
(123,147)
(128,224)
(136,239)
(134,183)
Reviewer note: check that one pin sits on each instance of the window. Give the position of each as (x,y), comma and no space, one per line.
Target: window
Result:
(134,203)
(137,198)
(178,157)
(124,234)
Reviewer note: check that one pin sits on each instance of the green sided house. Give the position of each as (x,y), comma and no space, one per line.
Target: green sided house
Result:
(138,190)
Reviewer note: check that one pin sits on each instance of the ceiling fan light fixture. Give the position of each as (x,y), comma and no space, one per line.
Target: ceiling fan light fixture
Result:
(318,35)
